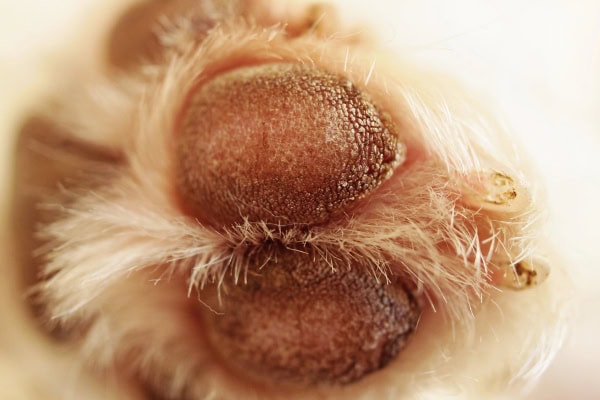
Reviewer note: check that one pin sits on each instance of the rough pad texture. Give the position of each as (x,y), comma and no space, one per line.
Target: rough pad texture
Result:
(281,143)
(298,320)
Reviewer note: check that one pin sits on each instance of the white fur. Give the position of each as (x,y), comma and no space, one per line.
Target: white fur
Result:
(123,265)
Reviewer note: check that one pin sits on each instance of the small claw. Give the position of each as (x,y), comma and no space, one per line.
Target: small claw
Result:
(522,275)
(494,192)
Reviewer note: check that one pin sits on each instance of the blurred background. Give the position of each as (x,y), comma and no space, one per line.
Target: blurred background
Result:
(542,59)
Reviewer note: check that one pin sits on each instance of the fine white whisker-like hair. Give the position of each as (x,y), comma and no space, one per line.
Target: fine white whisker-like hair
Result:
(130,276)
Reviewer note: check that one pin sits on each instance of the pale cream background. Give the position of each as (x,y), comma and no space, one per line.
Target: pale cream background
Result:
(542,59)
